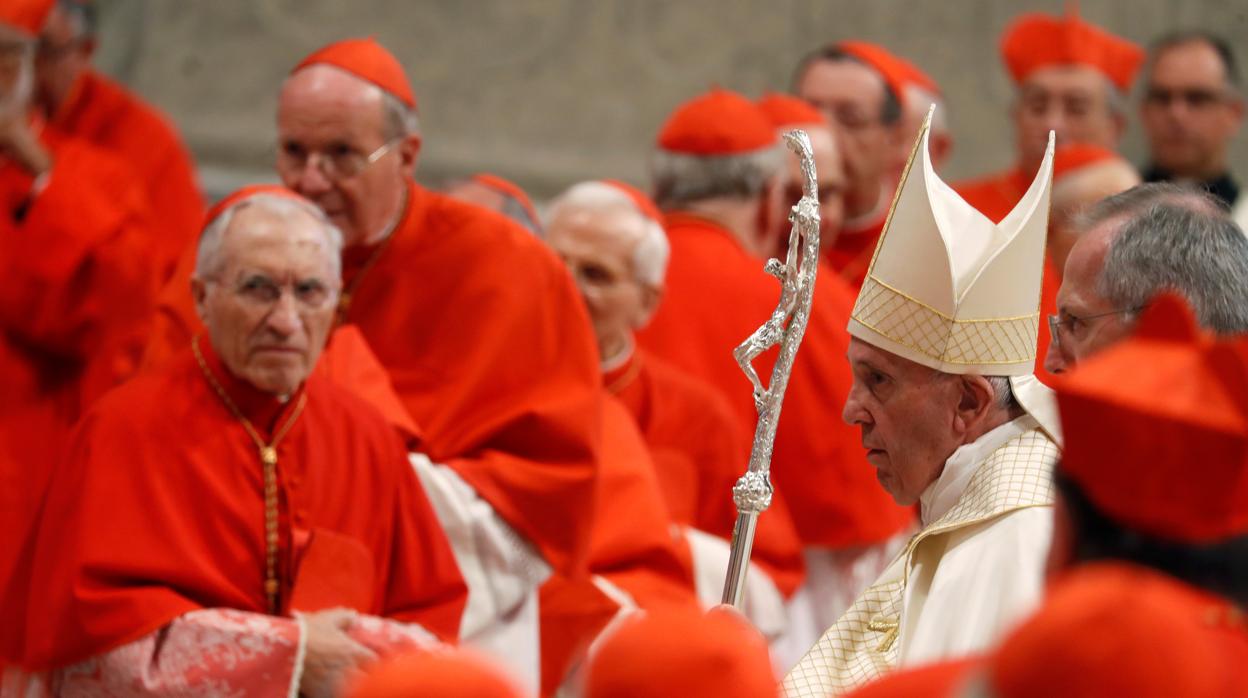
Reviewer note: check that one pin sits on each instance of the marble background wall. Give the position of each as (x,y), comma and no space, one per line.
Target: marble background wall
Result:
(551,91)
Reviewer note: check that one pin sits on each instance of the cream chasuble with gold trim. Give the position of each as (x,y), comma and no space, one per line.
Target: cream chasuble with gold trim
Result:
(974,568)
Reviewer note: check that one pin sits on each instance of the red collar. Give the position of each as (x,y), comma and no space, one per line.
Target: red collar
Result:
(264,410)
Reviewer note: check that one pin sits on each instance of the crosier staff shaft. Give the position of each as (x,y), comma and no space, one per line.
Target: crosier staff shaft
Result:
(786,326)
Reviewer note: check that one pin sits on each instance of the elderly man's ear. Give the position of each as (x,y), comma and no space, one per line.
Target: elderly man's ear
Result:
(199,292)
(975,403)
(650,297)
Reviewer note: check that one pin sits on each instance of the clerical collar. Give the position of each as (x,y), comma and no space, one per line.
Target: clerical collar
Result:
(941,495)
(621,357)
(261,408)
(1222,186)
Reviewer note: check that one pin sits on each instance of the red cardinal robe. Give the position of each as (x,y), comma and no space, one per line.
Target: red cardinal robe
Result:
(108,116)
(696,444)
(487,343)
(717,295)
(633,545)
(74,276)
(158,511)
(850,254)
(995,195)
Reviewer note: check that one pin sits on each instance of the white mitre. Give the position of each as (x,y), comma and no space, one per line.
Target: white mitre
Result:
(948,288)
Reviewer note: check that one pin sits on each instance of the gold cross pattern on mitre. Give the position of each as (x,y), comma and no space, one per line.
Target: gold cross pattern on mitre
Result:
(947,287)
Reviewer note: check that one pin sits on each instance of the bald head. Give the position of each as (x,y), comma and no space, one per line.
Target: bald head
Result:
(348,146)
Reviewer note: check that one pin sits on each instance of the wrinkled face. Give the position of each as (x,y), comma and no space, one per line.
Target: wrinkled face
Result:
(62,56)
(270,304)
(598,247)
(1189,111)
(830,175)
(1088,322)
(1071,100)
(852,96)
(329,124)
(907,414)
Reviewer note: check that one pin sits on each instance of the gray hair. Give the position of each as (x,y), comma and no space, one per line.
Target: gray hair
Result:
(681,179)
(208,261)
(1116,99)
(1170,246)
(1003,394)
(651,254)
(1141,198)
(399,120)
(514,210)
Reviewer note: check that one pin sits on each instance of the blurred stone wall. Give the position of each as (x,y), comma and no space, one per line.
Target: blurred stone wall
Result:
(550,91)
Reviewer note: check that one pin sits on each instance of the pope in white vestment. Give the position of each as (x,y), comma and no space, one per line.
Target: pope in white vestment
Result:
(948,315)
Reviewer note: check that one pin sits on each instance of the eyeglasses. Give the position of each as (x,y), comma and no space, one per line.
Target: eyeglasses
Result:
(1193,98)
(338,163)
(1070,324)
(259,291)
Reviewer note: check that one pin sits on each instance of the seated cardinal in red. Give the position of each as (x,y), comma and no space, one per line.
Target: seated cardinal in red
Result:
(235,523)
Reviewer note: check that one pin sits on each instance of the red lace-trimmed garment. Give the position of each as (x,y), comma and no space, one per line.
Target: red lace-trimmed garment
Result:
(154,526)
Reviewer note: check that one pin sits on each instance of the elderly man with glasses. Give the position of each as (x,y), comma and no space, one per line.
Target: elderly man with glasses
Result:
(479,327)
(236,523)
(1133,245)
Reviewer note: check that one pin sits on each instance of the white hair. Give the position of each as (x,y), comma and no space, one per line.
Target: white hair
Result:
(651,253)
(400,120)
(208,261)
(1003,394)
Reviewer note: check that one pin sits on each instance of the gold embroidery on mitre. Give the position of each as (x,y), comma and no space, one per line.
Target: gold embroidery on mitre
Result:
(918,326)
